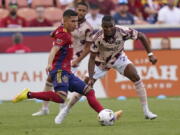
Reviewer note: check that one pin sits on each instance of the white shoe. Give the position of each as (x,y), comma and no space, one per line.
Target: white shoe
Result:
(150,115)
(41,112)
(61,115)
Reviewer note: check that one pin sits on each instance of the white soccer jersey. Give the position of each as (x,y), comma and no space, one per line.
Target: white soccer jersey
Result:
(109,51)
(81,35)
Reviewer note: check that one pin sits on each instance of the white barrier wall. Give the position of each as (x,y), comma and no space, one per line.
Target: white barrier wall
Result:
(18,71)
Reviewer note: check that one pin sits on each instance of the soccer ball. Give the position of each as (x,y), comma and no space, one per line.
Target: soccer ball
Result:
(106,117)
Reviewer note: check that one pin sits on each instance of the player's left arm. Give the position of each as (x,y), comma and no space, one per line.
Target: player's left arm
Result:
(146,43)
(84,53)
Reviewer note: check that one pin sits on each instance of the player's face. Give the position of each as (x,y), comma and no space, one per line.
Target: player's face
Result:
(108,28)
(81,11)
(72,23)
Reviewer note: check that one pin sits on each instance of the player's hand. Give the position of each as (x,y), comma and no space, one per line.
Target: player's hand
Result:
(75,63)
(153,59)
(48,68)
(91,82)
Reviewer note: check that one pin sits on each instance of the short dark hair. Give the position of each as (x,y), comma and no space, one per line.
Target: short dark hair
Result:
(82,3)
(69,13)
(107,18)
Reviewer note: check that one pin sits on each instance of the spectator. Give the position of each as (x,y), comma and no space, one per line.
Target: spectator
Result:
(169,14)
(13,20)
(107,7)
(178,4)
(70,4)
(94,17)
(151,10)
(40,21)
(165,43)
(18,47)
(123,17)
(136,8)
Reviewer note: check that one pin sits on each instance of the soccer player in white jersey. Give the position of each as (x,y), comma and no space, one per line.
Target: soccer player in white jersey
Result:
(81,44)
(107,52)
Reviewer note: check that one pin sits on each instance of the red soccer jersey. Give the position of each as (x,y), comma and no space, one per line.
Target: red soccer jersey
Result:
(11,22)
(63,57)
(35,23)
(18,48)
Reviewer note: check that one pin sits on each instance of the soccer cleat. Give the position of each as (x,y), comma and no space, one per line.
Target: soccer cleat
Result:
(41,112)
(118,114)
(150,115)
(62,114)
(21,96)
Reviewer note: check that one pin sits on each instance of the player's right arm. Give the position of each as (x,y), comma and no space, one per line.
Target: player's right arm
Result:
(91,66)
(94,49)
(59,41)
(52,54)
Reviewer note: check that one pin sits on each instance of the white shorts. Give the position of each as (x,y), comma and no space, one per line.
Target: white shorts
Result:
(74,70)
(119,65)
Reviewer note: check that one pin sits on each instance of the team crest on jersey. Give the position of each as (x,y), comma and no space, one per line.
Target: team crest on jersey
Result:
(59,41)
(65,79)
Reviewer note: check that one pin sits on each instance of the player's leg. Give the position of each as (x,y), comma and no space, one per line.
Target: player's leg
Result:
(45,105)
(125,67)
(58,97)
(131,73)
(80,87)
(75,98)
(60,87)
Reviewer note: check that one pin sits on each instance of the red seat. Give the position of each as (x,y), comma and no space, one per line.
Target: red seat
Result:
(46,3)
(27,13)
(3,13)
(53,14)
(22,3)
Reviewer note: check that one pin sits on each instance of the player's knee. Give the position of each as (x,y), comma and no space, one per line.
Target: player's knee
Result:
(62,95)
(135,77)
(87,89)
(77,96)
(86,80)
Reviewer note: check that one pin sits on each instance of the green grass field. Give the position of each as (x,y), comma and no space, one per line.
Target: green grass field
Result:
(16,119)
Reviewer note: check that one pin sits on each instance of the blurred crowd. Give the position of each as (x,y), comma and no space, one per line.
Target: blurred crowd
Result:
(46,13)
(36,13)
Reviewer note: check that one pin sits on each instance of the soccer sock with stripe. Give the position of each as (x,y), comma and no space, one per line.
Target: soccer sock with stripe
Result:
(141,92)
(48,86)
(93,102)
(47,96)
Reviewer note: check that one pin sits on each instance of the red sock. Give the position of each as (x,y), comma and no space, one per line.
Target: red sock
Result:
(93,102)
(47,96)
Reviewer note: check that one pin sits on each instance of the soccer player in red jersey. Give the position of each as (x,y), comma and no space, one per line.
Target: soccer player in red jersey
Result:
(59,69)
(13,20)
(82,39)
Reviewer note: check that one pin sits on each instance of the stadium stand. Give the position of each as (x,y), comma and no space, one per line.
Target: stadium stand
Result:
(46,3)
(3,13)
(27,13)
(53,14)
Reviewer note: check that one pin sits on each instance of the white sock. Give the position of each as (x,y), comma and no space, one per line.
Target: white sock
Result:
(48,86)
(141,92)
